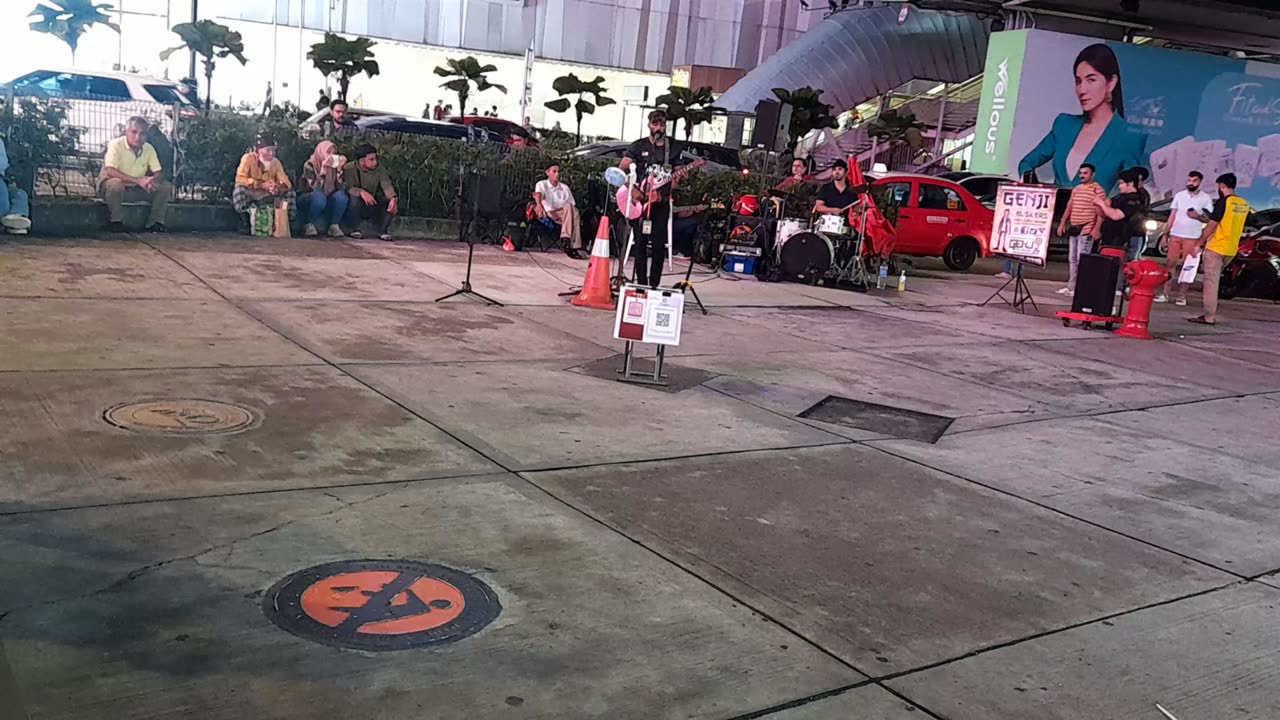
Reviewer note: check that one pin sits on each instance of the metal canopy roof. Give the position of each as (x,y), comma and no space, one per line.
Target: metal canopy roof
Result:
(862,53)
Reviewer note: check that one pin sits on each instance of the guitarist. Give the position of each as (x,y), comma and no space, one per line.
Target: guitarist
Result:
(650,229)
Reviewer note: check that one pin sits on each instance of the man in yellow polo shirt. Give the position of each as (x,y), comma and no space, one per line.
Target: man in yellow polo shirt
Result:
(131,172)
(1220,242)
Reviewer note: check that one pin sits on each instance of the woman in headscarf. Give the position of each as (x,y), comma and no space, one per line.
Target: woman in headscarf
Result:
(324,190)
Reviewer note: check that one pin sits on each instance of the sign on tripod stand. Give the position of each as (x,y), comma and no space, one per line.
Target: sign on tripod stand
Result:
(1023,222)
(648,315)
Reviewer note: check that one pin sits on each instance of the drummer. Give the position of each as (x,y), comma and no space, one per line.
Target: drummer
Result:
(836,197)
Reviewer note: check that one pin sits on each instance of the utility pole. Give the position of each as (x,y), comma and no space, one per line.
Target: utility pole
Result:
(195,17)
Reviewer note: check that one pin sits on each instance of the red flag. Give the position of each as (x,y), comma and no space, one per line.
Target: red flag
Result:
(880,233)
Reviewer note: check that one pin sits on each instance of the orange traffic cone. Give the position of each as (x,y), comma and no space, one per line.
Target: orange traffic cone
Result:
(595,289)
(507,244)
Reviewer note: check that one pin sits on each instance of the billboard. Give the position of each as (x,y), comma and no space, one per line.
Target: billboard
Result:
(1052,102)
(1024,222)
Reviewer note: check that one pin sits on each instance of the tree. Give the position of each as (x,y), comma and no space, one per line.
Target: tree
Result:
(67,20)
(573,85)
(465,72)
(212,42)
(894,127)
(808,112)
(344,58)
(692,106)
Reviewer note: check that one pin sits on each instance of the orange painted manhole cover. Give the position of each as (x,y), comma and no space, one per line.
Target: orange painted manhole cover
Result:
(381,604)
(181,417)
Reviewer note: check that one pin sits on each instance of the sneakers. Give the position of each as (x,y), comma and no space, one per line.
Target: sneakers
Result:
(1066,291)
(310,230)
(336,232)
(157,228)
(1003,275)
(16,224)
(1162,298)
(1180,302)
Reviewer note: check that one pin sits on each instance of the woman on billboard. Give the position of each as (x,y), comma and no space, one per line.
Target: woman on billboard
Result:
(1099,135)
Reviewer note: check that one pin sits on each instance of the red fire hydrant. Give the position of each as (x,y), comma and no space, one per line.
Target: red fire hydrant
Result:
(1144,278)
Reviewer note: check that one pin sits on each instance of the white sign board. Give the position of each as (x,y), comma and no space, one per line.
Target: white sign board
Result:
(649,316)
(1023,222)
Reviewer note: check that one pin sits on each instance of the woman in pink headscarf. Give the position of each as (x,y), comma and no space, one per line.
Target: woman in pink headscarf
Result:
(323,190)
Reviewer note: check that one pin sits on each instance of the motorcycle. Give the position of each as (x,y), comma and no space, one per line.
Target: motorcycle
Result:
(1255,271)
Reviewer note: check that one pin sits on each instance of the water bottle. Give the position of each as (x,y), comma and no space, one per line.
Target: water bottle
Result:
(884,276)
(902,281)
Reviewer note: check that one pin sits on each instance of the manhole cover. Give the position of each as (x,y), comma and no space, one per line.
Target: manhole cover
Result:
(381,604)
(180,417)
(883,419)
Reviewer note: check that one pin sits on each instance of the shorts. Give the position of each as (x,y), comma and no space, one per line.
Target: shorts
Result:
(1181,248)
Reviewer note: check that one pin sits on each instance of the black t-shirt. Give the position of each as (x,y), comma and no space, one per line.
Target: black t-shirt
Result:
(1116,233)
(837,198)
(644,153)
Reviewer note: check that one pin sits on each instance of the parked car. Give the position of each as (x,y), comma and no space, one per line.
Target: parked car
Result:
(505,129)
(1255,271)
(982,186)
(432,128)
(99,103)
(718,157)
(939,218)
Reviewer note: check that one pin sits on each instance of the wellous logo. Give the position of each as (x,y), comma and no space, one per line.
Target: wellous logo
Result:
(998,102)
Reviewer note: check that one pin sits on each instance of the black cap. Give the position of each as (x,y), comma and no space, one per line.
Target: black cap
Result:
(839,164)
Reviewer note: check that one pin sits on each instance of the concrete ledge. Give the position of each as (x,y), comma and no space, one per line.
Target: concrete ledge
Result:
(82,216)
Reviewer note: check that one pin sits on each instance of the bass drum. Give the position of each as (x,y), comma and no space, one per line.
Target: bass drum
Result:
(804,257)
(790,226)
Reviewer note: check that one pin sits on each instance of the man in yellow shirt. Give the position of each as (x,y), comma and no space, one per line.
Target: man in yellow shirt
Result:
(131,172)
(262,182)
(1220,242)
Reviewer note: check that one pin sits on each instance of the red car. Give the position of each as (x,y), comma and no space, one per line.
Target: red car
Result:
(939,218)
(506,129)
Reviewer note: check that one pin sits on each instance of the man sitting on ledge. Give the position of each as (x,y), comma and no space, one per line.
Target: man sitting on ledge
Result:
(262,182)
(131,172)
(372,196)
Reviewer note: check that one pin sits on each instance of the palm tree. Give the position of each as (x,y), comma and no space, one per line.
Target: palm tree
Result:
(808,112)
(573,85)
(692,106)
(464,72)
(67,20)
(344,58)
(211,41)
(894,127)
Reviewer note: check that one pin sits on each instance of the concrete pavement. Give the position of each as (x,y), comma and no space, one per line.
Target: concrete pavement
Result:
(189,422)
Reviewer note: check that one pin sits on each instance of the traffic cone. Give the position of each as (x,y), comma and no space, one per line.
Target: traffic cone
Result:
(595,289)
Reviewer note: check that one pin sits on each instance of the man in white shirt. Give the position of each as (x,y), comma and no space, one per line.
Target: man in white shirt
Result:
(1180,235)
(553,199)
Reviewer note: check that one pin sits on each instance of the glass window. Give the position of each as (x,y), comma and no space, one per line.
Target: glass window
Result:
(166,94)
(43,84)
(937,197)
(103,88)
(900,192)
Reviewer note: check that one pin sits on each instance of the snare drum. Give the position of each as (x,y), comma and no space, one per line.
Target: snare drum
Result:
(788,227)
(831,225)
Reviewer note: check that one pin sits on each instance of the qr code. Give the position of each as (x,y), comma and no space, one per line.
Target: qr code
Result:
(662,320)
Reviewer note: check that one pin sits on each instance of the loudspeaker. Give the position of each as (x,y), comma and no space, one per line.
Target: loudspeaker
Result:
(765,132)
(482,195)
(1096,281)
(783,136)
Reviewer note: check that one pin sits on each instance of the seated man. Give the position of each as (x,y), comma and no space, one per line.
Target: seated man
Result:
(15,209)
(131,172)
(261,182)
(553,199)
(685,222)
(371,193)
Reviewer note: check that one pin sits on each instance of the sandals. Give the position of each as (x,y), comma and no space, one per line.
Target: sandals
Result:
(1200,321)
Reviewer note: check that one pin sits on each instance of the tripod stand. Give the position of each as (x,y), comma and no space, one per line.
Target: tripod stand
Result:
(1021,293)
(466,233)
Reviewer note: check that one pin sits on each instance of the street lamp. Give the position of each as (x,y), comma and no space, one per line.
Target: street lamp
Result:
(195,16)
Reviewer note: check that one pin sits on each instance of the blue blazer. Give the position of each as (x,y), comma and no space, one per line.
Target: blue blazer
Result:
(1118,148)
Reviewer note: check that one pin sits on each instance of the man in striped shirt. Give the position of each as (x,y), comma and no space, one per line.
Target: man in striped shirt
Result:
(1080,221)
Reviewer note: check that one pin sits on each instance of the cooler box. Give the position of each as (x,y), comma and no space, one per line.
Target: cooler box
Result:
(739,263)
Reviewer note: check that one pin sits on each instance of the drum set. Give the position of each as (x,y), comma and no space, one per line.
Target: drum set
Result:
(814,249)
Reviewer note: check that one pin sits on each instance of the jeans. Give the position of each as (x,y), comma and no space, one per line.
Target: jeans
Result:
(14,201)
(1008,266)
(377,213)
(1080,245)
(651,250)
(1136,246)
(318,203)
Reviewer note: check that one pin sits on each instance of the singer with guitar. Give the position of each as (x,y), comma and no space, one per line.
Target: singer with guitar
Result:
(652,229)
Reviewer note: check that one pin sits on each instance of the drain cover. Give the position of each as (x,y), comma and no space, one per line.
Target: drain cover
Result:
(883,419)
(381,604)
(181,417)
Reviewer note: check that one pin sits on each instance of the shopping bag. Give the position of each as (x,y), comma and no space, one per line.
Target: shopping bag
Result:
(281,229)
(1189,267)
(260,221)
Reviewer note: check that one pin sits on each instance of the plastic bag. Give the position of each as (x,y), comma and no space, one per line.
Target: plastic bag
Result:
(1190,265)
